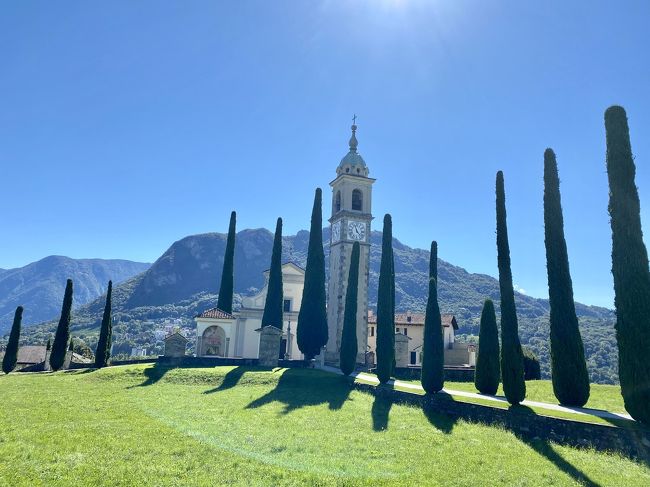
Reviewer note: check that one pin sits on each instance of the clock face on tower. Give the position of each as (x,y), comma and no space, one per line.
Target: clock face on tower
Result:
(357,230)
(336,231)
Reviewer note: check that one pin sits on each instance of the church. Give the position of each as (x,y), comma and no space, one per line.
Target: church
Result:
(237,335)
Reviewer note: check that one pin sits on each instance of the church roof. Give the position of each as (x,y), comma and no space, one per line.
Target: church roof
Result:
(216,313)
(353,163)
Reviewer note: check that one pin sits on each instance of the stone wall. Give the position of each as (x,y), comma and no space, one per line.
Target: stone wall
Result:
(523,422)
(453,374)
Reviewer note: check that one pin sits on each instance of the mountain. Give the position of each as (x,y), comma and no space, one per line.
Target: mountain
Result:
(39,286)
(185,279)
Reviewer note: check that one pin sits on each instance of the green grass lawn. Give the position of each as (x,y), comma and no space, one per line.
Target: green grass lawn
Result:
(143,425)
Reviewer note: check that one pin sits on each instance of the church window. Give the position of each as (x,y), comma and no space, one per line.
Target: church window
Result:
(358,171)
(357,200)
(396,330)
(372,331)
(405,331)
(337,201)
(287,306)
(347,169)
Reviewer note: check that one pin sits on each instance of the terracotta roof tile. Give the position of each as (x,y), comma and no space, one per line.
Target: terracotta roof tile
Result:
(216,313)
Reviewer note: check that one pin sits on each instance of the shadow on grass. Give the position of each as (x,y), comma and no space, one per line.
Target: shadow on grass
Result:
(295,389)
(86,370)
(544,448)
(439,419)
(154,374)
(230,380)
(381,408)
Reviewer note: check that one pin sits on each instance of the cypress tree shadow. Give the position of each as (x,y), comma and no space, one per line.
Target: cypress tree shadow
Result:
(295,390)
(545,449)
(154,374)
(230,380)
(439,419)
(380,412)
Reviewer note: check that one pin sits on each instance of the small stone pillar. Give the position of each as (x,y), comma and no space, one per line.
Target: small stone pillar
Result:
(401,350)
(175,345)
(270,338)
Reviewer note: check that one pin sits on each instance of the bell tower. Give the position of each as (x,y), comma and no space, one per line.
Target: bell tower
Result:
(350,222)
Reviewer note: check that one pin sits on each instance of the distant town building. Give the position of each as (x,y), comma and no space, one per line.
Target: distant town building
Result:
(138,352)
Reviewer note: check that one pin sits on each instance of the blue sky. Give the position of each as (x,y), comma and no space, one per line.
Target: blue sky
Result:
(125,125)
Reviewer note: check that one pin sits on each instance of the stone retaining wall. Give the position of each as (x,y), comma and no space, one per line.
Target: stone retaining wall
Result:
(633,443)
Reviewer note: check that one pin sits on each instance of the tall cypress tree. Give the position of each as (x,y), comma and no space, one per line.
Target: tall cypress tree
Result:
(512,359)
(312,319)
(62,335)
(224,303)
(349,345)
(103,353)
(433,349)
(487,374)
(273,306)
(386,306)
(11,353)
(568,366)
(629,267)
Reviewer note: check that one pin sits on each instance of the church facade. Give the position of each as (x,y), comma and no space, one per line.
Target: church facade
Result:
(236,335)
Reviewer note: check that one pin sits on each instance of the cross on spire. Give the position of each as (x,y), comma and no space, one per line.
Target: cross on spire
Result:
(354,119)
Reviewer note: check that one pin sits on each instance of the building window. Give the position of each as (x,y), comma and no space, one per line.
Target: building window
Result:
(372,331)
(405,331)
(357,200)
(287,306)
(396,330)
(414,357)
(337,202)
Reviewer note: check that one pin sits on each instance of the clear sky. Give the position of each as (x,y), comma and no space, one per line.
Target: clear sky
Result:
(125,126)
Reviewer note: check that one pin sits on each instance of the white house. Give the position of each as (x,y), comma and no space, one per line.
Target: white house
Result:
(220,334)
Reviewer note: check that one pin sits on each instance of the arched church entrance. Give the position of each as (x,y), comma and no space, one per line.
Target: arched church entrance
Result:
(213,341)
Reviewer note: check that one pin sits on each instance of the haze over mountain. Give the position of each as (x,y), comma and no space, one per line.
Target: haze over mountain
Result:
(185,280)
(39,286)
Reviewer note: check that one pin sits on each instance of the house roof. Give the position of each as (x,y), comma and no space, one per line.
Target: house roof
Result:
(174,334)
(416,319)
(216,313)
(29,354)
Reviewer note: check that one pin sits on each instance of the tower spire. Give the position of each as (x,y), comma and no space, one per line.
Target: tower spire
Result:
(353,139)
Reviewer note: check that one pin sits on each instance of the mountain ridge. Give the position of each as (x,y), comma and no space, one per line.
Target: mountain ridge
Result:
(39,286)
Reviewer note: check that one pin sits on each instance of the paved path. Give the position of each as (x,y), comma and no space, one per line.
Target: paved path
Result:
(473,395)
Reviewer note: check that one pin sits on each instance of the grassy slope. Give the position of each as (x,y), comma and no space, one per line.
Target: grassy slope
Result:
(139,425)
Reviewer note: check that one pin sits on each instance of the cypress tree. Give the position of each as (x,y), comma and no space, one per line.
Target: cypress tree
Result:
(512,359)
(62,335)
(224,303)
(386,306)
(312,318)
(48,347)
(103,353)
(487,374)
(629,268)
(349,345)
(273,306)
(568,367)
(433,349)
(11,353)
